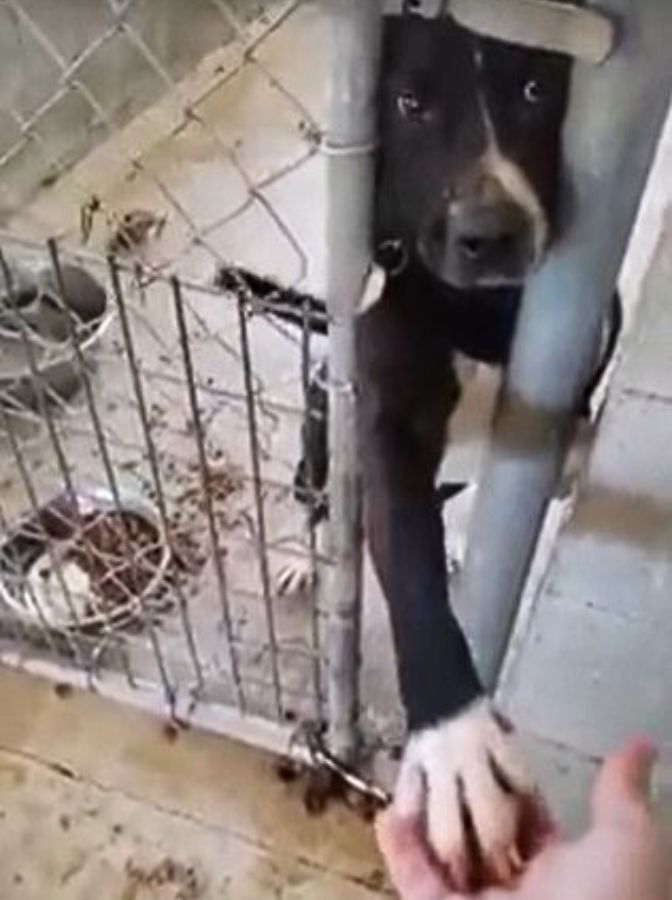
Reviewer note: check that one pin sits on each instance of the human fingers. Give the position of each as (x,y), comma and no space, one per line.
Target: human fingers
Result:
(537,828)
(407,857)
(621,792)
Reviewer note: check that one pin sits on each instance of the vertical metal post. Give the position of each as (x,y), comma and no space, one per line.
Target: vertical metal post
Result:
(354,41)
(218,552)
(616,115)
(260,510)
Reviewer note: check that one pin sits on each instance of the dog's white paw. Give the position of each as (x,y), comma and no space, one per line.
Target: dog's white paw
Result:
(296,577)
(467,776)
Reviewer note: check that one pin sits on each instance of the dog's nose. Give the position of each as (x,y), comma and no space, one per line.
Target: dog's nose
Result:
(480,235)
(488,234)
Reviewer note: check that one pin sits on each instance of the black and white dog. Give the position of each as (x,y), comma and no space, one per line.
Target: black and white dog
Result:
(468,179)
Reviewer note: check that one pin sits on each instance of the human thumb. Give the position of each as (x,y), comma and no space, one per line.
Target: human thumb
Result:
(621,793)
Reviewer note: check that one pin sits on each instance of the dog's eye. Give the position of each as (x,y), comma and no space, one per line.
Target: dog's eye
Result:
(532,91)
(410,106)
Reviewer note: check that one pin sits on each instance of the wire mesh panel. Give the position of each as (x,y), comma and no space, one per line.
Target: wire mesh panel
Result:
(152,408)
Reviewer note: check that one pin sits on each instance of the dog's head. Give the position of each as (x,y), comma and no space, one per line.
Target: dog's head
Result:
(469,165)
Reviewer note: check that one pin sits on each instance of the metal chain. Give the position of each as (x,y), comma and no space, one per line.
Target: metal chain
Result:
(309,736)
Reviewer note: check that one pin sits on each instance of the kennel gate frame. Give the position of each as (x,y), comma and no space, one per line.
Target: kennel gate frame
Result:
(349,144)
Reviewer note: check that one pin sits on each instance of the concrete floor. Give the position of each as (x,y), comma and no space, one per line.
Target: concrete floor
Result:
(96,800)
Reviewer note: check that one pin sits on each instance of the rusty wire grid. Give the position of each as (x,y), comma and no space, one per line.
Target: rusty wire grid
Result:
(150,431)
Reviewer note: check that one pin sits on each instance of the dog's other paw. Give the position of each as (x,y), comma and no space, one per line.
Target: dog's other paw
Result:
(467,775)
(295,578)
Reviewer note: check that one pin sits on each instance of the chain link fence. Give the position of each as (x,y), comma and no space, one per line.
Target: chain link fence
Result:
(150,419)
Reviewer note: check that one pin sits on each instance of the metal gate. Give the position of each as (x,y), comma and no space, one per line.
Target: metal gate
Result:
(150,418)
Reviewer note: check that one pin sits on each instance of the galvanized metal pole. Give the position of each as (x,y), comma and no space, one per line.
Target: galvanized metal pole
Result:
(616,115)
(354,40)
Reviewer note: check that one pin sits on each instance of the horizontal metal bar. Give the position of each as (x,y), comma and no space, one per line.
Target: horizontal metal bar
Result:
(272,737)
(585,34)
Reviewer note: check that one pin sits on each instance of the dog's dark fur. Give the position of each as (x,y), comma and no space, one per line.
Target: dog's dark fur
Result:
(467,127)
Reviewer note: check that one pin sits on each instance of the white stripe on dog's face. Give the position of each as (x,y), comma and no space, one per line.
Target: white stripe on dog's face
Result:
(515,184)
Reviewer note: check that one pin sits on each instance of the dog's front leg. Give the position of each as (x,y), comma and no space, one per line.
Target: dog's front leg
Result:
(459,764)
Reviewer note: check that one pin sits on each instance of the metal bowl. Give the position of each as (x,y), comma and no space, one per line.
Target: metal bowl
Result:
(36,315)
(56,547)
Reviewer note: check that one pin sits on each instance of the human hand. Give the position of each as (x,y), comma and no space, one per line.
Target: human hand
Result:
(621,857)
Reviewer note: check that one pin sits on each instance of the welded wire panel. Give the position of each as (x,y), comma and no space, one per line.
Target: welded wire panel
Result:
(170,498)
(150,420)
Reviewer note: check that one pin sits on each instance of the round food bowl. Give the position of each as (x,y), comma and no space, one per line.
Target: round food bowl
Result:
(86,565)
(35,313)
